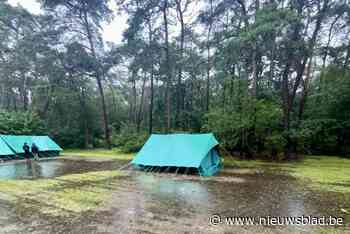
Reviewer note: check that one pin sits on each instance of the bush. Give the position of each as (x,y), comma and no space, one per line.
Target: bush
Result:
(21,123)
(128,141)
(318,136)
(254,128)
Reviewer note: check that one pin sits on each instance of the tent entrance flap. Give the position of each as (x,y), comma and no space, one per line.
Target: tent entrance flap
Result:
(180,151)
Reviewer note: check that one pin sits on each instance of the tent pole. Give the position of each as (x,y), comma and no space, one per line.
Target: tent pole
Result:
(167,169)
(199,172)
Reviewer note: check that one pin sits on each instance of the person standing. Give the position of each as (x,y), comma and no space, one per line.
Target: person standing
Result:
(35,151)
(26,150)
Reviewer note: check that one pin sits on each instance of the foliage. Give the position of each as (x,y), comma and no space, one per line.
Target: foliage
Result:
(130,142)
(21,123)
(326,129)
(253,127)
(268,78)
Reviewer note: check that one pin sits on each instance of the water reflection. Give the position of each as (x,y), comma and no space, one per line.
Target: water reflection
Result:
(30,169)
(167,189)
(52,168)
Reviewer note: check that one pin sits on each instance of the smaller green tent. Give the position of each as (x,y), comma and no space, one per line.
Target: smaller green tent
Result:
(5,150)
(180,151)
(47,147)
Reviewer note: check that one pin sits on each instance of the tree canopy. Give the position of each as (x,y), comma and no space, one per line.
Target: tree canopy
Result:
(268,78)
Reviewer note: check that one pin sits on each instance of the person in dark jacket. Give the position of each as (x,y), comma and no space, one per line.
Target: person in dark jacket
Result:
(35,151)
(26,150)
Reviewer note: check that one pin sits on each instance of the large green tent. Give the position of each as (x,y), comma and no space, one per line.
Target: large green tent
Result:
(5,150)
(47,147)
(180,151)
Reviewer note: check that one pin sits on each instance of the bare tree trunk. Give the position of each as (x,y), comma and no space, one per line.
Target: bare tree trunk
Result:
(287,96)
(165,18)
(208,59)
(134,102)
(304,93)
(179,102)
(23,91)
(254,58)
(99,81)
(139,115)
(86,125)
(150,128)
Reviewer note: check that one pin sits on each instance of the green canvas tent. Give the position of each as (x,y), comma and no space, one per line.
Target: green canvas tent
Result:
(5,150)
(180,151)
(47,147)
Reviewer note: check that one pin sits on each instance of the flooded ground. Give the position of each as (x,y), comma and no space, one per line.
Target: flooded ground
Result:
(137,202)
(54,167)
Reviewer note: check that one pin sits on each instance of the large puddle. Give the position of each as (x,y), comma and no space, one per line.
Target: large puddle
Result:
(160,203)
(52,168)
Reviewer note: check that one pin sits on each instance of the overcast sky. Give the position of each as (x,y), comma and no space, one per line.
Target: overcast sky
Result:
(111,32)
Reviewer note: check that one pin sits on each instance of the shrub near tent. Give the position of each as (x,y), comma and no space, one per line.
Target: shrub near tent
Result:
(180,151)
(47,147)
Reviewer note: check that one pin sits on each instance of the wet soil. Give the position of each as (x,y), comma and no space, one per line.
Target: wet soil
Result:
(167,203)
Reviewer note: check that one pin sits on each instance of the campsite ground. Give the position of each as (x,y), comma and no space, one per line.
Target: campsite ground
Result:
(330,173)
(83,192)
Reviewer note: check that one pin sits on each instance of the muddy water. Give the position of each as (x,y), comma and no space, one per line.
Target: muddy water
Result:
(50,168)
(165,203)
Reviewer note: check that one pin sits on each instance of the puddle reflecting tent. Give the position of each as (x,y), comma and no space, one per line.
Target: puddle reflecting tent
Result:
(47,147)
(180,151)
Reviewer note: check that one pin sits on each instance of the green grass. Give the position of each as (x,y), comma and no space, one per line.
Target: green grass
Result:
(328,173)
(60,196)
(103,153)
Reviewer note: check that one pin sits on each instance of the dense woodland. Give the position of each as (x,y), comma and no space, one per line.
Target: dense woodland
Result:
(270,78)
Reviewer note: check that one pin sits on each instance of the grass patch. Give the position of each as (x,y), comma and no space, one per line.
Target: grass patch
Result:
(105,153)
(324,172)
(62,195)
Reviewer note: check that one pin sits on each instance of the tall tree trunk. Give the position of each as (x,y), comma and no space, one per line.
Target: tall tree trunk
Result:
(208,58)
(165,18)
(139,115)
(180,96)
(150,126)
(287,96)
(98,77)
(305,85)
(133,101)
(85,120)
(254,57)
(254,72)
(23,91)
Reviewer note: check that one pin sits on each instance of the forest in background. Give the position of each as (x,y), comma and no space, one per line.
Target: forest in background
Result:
(270,78)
